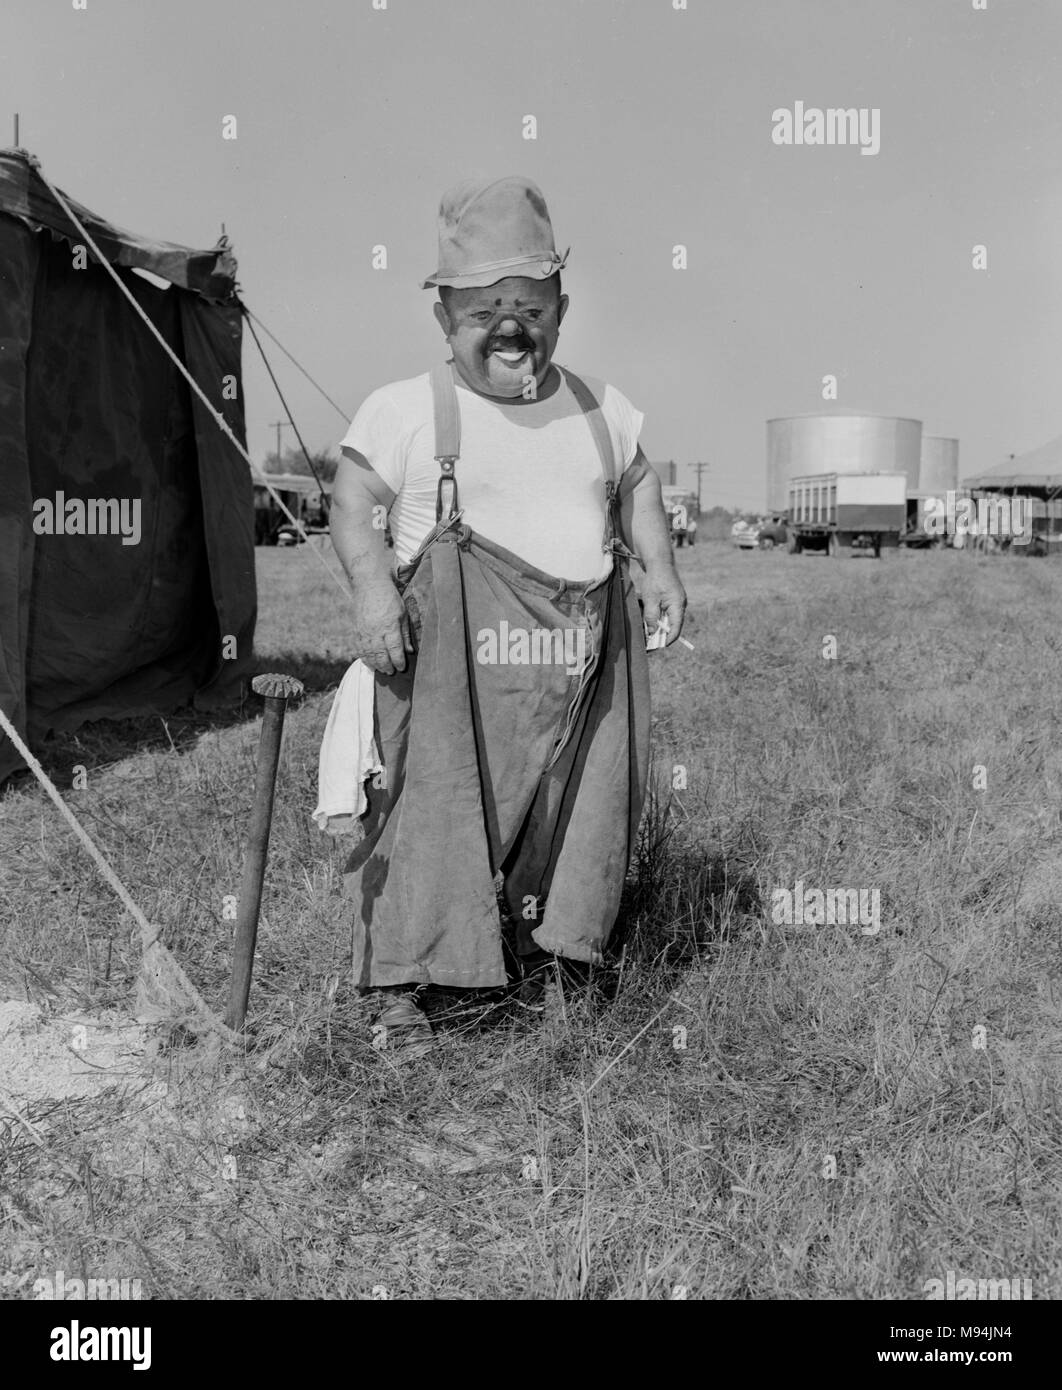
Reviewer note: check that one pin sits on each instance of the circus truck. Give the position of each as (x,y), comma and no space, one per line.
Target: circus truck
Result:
(844,512)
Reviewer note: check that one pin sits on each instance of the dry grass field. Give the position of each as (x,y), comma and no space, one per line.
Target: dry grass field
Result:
(736,1109)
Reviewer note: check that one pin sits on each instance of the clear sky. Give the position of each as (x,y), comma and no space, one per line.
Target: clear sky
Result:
(654,129)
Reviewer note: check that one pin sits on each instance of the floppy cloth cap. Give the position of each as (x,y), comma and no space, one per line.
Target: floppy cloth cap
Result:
(490,229)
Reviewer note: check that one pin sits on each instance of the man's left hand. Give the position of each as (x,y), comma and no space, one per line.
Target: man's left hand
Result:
(663,596)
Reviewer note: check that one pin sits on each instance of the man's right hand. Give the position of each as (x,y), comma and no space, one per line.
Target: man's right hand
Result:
(381,628)
(360,503)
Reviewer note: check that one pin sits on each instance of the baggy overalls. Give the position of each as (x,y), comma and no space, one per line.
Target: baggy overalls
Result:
(498,763)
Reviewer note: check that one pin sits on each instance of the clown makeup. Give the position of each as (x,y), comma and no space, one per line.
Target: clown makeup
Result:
(504,334)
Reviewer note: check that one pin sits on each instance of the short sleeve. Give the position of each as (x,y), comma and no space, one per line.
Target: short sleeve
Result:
(626,422)
(377,434)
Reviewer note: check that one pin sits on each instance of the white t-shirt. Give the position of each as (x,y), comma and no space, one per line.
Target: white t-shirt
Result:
(529,476)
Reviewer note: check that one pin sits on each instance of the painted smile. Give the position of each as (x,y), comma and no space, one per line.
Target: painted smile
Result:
(513,357)
(512,349)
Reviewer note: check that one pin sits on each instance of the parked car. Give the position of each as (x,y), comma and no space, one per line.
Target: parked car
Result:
(918,538)
(286,534)
(745,534)
(772,532)
(300,496)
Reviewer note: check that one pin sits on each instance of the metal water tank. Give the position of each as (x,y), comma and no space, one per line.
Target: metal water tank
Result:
(939,472)
(798,445)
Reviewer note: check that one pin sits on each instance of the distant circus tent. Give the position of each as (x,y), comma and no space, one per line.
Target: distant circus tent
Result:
(840,442)
(1036,475)
(939,473)
(1038,471)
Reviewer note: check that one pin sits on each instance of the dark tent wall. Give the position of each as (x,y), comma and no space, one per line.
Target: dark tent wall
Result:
(92,408)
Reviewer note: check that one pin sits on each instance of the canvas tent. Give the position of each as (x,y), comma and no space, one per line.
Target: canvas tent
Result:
(1036,475)
(1038,472)
(92,409)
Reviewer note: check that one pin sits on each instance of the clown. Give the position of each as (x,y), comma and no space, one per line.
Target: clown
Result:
(506,797)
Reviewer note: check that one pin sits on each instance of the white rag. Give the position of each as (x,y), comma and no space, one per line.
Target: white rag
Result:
(348,752)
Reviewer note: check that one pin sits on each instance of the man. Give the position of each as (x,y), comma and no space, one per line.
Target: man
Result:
(509,683)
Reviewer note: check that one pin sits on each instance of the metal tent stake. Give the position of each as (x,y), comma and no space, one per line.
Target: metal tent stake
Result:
(277,691)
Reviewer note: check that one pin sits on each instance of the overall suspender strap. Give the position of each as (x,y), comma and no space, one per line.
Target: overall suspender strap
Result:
(595,418)
(448,449)
(447,439)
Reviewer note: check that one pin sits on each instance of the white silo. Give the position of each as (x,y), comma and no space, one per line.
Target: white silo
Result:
(846,442)
(939,472)
(938,475)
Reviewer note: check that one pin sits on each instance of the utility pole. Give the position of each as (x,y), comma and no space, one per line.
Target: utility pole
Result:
(699,468)
(280,425)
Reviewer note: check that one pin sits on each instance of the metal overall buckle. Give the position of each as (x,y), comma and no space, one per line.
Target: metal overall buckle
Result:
(446,464)
(615,547)
(437,531)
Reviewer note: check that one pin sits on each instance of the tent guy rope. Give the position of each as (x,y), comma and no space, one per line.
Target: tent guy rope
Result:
(291,418)
(216,415)
(156,957)
(316,385)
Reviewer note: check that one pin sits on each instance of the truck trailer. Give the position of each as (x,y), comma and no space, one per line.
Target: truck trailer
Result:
(838,512)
